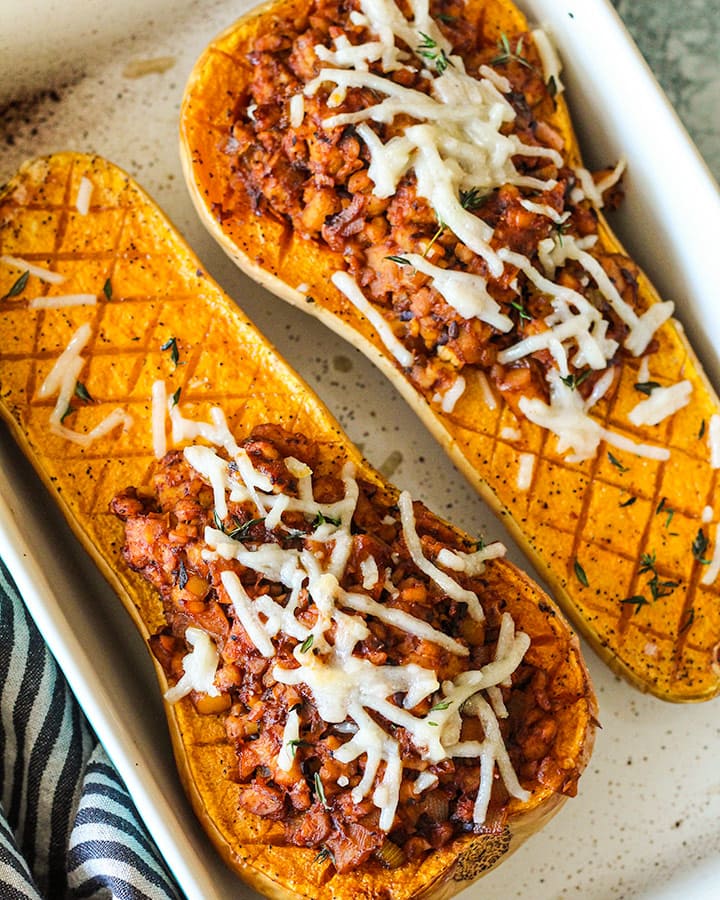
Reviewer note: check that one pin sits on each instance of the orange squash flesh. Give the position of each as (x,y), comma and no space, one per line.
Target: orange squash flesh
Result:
(590,528)
(151,288)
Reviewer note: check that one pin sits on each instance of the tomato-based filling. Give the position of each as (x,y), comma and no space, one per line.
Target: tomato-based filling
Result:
(314,149)
(372,682)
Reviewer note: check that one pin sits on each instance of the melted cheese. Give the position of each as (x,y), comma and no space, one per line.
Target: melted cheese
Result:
(450,397)
(345,283)
(38,271)
(549,59)
(62,380)
(346,688)
(661,403)
(465,292)
(56,301)
(526,466)
(84,195)
(199,667)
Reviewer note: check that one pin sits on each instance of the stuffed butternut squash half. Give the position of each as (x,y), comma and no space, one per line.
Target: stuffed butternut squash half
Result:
(363,701)
(409,175)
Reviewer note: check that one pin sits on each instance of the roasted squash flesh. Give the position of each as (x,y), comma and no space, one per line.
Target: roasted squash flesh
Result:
(301,185)
(104,289)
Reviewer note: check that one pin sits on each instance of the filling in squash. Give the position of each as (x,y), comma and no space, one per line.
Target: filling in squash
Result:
(374,686)
(423,151)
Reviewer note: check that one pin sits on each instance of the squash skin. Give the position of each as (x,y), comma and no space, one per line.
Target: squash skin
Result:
(572,512)
(157,290)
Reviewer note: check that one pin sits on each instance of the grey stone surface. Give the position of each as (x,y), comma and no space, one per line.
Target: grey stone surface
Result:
(681,43)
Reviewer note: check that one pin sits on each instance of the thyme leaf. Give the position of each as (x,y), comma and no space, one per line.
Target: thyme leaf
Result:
(629,502)
(637,600)
(580,574)
(107,289)
(307,643)
(701,432)
(444,704)
(321,519)
(176,397)
(171,345)
(18,286)
(471,199)
(82,392)
(428,48)
(646,387)
(524,314)
(616,462)
(507,54)
(243,528)
(689,619)
(699,546)
(320,790)
(573,380)
(70,409)
(400,260)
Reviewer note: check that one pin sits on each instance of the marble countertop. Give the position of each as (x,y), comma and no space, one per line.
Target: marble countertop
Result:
(681,43)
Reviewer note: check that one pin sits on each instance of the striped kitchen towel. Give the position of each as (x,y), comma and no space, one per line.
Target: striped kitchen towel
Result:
(68,828)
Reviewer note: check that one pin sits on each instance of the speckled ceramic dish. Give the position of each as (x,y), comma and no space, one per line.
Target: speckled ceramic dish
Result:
(108,77)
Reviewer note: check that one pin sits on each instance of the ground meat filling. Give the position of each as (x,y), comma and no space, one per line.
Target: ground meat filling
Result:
(311,801)
(316,180)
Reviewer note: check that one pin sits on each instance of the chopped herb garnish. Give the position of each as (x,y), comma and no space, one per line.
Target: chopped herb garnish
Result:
(294,744)
(182,575)
(400,260)
(218,522)
(82,392)
(176,397)
(320,519)
(320,790)
(243,528)
(433,723)
(524,314)
(580,574)
(435,237)
(444,704)
(171,345)
(472,199)
(661,588)
(647,562)
(629,502)
(307,643)
(646,387)
(574,380)
(507,53)
(107,289)
(637,601)
(701,432)
(428,48)
(480,544)
(18,287)
(699,546)
(663,507)
(552,86)
(68,411)
(616,462)
(325,853)
(689,619)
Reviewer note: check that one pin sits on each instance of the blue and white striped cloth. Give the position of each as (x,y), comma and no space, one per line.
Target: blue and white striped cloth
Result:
(68,828)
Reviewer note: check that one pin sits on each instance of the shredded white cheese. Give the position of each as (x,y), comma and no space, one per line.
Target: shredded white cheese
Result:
(84,194)
(199,667)
(38,271)
(526,467)
(57,301)
(345,283)
(661,403)
(159,408)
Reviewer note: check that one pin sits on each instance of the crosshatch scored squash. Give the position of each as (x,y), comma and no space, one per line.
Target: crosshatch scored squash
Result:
(350,156)
(117,347)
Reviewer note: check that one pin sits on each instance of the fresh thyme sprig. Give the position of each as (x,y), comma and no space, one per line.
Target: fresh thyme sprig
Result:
(429,49)
(507,54)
